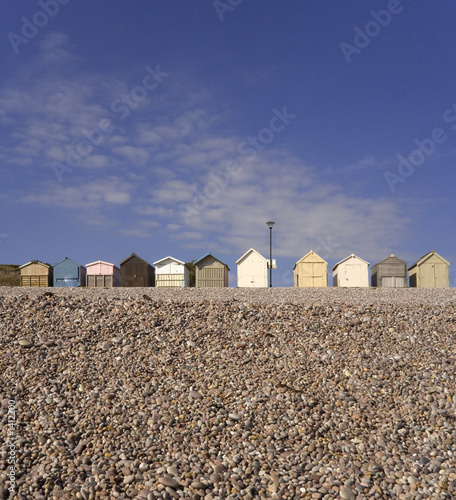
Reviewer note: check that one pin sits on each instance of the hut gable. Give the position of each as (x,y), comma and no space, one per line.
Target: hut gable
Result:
(101,274)
(136,272)
(36,274)
(252,270)
(68,273)
(431,271)
(211,272)
(169,265)
(171,272)
(351,272)
(389,273)
(310,271)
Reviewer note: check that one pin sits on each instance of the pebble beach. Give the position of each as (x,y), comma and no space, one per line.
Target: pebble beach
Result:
(228,393)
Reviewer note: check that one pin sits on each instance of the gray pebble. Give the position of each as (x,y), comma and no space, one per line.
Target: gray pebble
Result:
(195,395)
(347,493)
(25,343)
(168,481)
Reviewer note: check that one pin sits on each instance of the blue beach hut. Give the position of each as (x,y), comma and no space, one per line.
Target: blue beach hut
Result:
(68,273)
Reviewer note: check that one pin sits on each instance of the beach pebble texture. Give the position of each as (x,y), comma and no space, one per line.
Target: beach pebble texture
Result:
(230,393)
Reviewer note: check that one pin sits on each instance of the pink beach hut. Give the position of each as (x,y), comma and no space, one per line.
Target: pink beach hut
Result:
(102,274)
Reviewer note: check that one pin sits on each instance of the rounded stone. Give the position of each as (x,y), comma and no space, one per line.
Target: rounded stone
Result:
(347,493)
(168,481)
(215,478)
(198,485)
(195,395)
(26,343)
(172,470)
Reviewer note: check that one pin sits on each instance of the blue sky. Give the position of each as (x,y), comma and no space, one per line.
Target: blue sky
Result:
(181,127)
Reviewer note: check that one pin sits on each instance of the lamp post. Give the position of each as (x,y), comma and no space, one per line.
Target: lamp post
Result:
(270,224)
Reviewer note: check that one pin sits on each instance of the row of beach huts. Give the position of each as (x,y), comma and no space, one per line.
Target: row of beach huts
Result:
(431,271)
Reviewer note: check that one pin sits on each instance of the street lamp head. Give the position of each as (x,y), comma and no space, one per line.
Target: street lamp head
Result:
(270,224)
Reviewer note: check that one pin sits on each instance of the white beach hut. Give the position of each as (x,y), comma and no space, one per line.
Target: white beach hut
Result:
(351,272)
(170,272)
(252,270)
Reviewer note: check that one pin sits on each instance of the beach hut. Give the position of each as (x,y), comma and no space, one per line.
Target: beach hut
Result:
(68,273)
(252,270)
(351,272)
(310,271)
(431,271)
(102,274)
(211,272)
(136,272)
(389,273)
(36,274)
(171,273)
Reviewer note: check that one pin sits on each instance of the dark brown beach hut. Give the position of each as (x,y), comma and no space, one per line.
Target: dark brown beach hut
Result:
(136,272)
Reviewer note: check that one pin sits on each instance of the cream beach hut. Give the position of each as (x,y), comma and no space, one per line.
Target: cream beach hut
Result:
(351,272)
(431,271)
(310,271)
(252,270)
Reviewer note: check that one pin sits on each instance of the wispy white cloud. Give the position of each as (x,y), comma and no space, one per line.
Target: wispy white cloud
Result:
(98,161)
(173,191)
(84,196)
(155,211)
(55,49)
(135,155)
(368,162)
(148,137)
(95,220)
